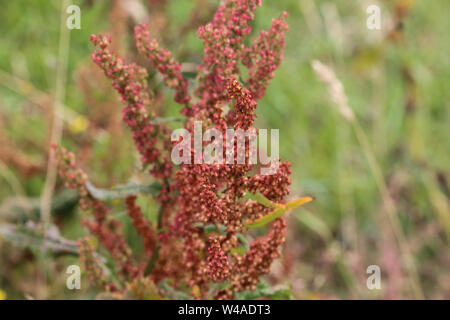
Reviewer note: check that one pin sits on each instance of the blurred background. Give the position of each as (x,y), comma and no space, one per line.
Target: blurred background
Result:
(381,182)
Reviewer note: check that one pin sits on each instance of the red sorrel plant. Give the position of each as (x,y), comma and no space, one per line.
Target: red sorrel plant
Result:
(198,246)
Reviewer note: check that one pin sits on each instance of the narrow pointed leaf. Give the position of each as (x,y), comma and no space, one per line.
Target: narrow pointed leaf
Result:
(167,119)
(297,203)
(261,199)
(29,236)
(123,191)
(278,212)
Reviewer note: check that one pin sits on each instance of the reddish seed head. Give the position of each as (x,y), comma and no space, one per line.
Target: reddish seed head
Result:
(193,196)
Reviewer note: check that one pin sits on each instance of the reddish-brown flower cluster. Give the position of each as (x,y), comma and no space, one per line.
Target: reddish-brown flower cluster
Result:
(196,198)
(223,49)
(259,257)
(242,116)
(142,226)
(130,82)
(265,56)
(104,226)
(218,264)
(92,265)
(162,60)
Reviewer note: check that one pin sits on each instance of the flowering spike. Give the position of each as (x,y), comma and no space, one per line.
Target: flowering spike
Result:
(243,114)
(265,55)
(218,264)
(197,196)
(104,226)
(162,60)
(256,262)
(223,47)
(141,225)
(91,265)
(129,81)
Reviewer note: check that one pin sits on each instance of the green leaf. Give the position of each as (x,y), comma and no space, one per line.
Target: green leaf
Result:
(189,75)
(280,209)
(258,223)
(241,80)
(265,291)
(30,236)
(239,251)
(297,203)
(242,249)
(261,199)
(123,191)
(21,209)
(167,119)
(209,228)
(243,241)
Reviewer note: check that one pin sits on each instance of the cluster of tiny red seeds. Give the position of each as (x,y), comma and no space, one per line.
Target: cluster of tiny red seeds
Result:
(162,61)
(104,226)
(196,196)
(218,262)
(91,265)
(265,56)
(143,227)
